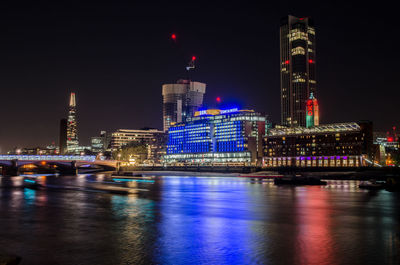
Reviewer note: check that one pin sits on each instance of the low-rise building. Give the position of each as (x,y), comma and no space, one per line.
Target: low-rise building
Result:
(330,145)
(154,139)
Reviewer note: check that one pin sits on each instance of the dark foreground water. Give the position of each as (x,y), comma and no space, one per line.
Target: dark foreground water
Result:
(198,220)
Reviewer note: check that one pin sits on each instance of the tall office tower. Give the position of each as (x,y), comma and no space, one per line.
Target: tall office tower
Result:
(72,130)
(63,136)
(181,100)
(298,75)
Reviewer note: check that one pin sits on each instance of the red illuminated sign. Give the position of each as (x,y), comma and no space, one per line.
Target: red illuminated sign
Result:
(309,107)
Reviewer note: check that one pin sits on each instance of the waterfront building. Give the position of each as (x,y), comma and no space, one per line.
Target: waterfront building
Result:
(72,126)
(217,137)
(154,139)
(333,145)
(63,136)
(387,147)
(297,68)
(181,100)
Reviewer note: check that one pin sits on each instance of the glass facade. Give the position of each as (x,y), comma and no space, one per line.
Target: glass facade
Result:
(72,126)
(298,68)
(217,136)
(181,100)
(330,145)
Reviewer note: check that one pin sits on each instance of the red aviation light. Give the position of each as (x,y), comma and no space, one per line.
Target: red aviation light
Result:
(218,99)
(193,58)
(173,36)
(311,61)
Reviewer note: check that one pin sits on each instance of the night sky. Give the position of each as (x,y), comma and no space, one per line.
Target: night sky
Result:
(116,56)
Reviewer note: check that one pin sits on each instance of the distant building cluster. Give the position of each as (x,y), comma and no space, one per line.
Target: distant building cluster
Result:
(192,135)
(386,147)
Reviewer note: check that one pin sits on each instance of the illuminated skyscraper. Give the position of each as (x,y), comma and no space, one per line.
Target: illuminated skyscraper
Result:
(72,130)
(181,100)
(298,73)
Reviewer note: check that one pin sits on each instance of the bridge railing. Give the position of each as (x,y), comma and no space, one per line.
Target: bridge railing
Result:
(49,157)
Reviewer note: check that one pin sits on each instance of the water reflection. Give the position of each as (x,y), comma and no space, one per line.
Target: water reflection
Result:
(198,220)
(314,242)
(206,220)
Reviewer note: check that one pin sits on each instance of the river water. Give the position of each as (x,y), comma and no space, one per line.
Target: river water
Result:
(200,220)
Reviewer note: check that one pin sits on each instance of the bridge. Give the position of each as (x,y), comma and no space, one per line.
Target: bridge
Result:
(68,164)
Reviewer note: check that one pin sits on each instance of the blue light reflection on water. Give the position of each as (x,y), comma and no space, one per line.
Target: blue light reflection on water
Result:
(29,196)
(198,220)
(197,223)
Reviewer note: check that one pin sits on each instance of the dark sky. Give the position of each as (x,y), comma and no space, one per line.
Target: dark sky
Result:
(116,56)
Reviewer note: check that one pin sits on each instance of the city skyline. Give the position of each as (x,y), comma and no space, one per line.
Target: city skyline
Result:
(236,61)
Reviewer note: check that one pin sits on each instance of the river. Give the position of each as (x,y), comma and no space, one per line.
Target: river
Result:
(200,220)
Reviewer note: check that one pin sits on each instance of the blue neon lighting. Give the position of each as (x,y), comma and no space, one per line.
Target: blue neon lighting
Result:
(208,135)
(224,111)
(29,181)
(136,180)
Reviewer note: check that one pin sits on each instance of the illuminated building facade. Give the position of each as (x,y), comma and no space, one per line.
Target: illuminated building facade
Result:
(217,137)
(48,150)
(100,143)
(181,100)
(72,126)
(297,67)
(331,145)
(387,147)
(97,144)
(312,112)
(155,141)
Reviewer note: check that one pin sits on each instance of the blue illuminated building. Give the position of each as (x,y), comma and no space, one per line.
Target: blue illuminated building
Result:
(217,137)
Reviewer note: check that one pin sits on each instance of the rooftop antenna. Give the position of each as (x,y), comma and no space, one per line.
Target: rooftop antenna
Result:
(191,65)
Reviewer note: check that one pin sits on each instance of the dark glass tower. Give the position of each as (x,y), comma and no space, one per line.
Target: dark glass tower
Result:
(63,136)
(297,64)
(72,130)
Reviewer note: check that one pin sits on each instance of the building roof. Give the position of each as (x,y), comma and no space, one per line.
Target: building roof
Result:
(214,112)
(326,128)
